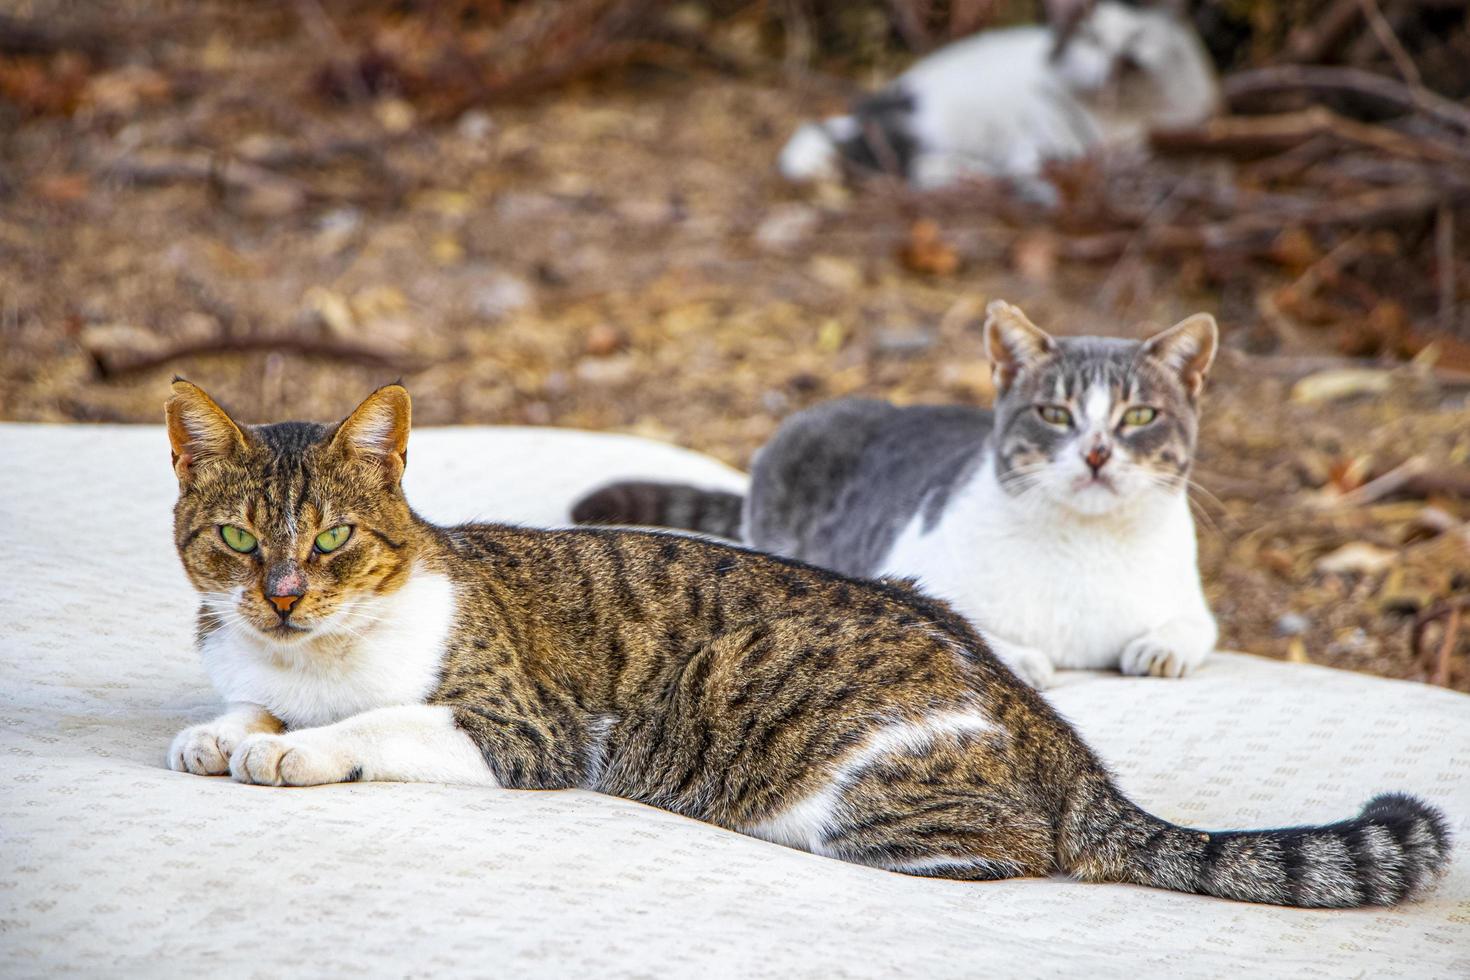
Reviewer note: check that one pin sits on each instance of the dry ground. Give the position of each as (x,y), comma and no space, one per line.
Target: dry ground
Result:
(620,256)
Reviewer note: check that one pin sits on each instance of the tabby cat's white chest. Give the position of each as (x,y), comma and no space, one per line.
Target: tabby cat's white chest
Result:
(1077,590)
(378,653)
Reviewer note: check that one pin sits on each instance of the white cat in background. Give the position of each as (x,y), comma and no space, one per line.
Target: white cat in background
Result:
(1003,103)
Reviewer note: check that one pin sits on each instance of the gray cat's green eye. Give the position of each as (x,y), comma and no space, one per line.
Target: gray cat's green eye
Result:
(1140,415)
(1054,415)
(333,538)
(237,538)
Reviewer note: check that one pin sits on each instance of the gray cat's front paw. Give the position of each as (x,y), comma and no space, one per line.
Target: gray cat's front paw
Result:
(1162,653)
(205,749)
(1032,666)
(293,759)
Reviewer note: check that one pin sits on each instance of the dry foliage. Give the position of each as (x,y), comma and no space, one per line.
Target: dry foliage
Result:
(565,214)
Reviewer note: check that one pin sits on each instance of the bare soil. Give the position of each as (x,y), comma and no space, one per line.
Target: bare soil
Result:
(619,255)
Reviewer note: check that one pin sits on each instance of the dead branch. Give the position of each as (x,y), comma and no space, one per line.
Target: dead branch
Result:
(1444,265)
(910,26)
(234,175)
(331,350)
(1310,44)
(31,37)
(1445,482)
(1260,135)
(1449,612)
(1383,31)
(1371,209)
(1376,489)
(1244,86)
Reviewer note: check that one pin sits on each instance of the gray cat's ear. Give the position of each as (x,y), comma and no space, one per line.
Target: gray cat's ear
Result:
(198,429)
(1188,349)
(1012,342)
(377,430)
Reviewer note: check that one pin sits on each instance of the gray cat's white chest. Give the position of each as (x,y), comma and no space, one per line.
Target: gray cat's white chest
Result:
(1077,593)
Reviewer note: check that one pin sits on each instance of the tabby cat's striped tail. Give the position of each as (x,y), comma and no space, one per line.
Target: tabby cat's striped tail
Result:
(1387,853)
(671,505)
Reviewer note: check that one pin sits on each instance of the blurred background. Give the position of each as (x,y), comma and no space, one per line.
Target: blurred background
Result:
(569,213)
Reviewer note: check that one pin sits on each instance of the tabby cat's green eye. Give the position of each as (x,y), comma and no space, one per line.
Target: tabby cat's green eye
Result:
(1140,415)
(333,538)
(237,538)
(1054,414)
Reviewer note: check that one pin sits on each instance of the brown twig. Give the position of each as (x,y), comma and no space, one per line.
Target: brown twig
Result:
(331,350)
(1449,482)
(1065,17)
(1256,230)
(1444,265)
(1243,86)
(1449,612)
(232,174)
(1311,43)
(909,22)
(1258,135)
(1376,489)
(32,37)
(1293,367)
(1383,31)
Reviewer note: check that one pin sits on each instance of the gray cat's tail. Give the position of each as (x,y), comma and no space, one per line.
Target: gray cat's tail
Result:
(1392,849)
(671,505)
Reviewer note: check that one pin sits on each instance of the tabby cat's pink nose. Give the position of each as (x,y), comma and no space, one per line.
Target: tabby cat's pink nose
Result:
(283,603)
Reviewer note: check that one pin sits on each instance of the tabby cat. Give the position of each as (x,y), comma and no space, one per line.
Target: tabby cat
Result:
(355,641)
(1058,524)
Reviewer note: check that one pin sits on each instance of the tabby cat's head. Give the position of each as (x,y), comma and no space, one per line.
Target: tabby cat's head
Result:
(288,531)
(1096,423)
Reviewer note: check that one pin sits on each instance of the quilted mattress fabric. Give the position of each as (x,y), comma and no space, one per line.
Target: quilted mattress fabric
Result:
(112,865)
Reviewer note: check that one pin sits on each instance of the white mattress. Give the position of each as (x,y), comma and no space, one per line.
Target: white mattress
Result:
(112,865)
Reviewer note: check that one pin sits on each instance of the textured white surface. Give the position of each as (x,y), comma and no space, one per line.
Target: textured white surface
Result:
(112,865)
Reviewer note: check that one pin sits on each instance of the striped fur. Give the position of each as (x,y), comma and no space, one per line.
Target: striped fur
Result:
(678,506)
(1391,849)
(858,720)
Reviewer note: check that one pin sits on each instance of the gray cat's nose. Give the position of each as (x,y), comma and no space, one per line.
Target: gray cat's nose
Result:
(1097,456)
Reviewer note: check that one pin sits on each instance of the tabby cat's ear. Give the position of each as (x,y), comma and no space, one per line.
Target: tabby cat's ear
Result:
(198,429)
(377,430)
(1012,342)
(1187,348)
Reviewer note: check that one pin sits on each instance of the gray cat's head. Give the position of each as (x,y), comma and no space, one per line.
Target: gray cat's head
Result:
(1095,424)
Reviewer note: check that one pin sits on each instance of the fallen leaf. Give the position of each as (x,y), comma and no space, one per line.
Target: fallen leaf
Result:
(1034,256)
(1347,473)
(447,251)
(1359,557)
(1340,383)
(333,309)
(926,251)
(604,339)
(839,274)
(830,336)
(123,91)
(62,188)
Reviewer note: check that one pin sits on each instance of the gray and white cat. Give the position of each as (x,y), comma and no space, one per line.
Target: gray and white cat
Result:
(1058,523)
(1004,102)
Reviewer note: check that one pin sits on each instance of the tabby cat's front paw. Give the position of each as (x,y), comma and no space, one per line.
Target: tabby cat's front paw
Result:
(293,759)
(1163,653)
(205,749)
